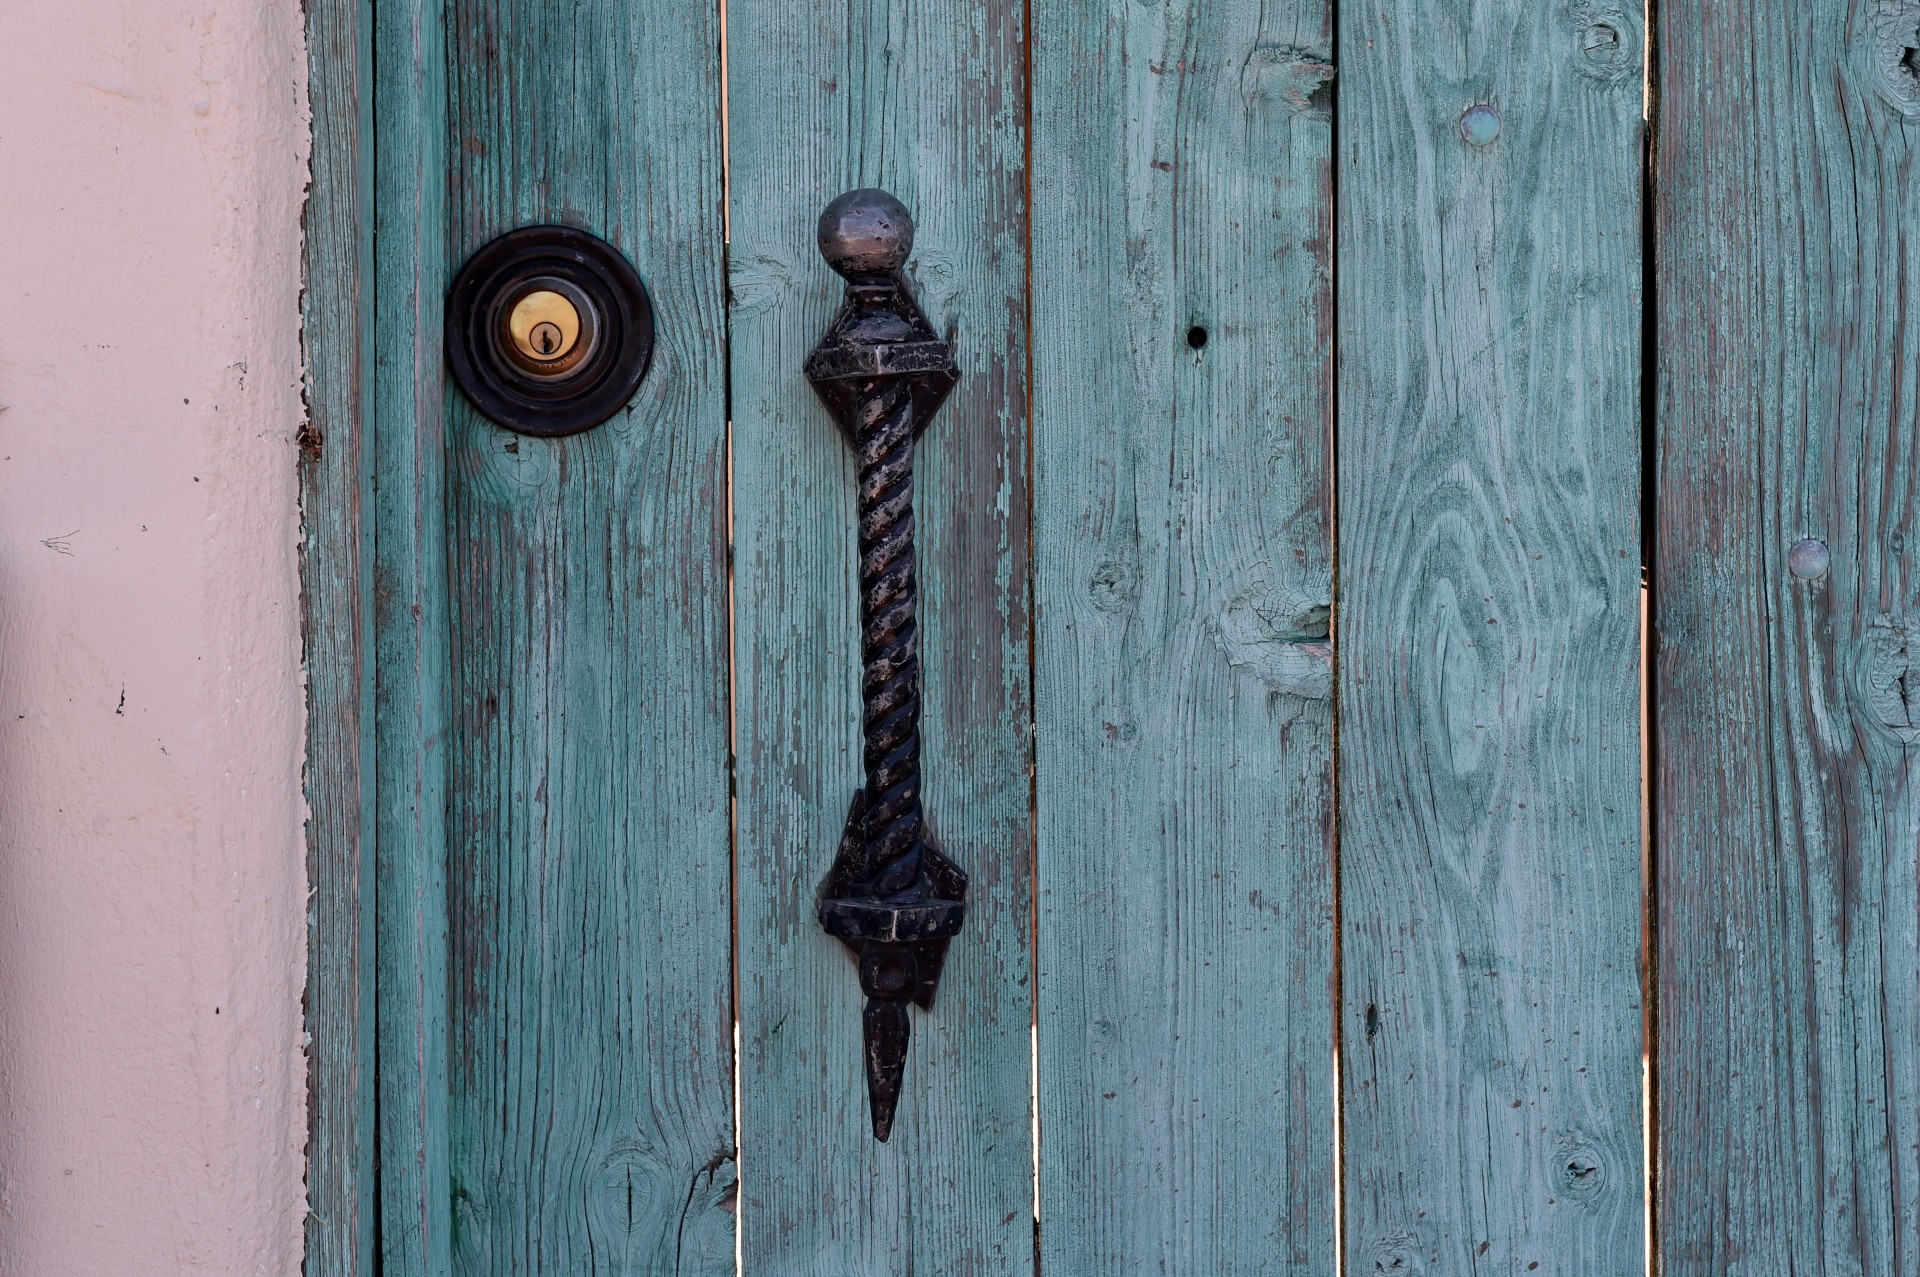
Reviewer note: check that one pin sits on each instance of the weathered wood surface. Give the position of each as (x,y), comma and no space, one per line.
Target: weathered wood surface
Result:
(1488,638)
(409,640)
(590,1111)
(1183,685)
(336,313)
(1789,818)
(924,98)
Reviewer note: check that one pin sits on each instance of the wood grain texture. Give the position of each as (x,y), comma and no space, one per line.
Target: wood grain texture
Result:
(924,98)
(1183,682)
(591,1072)
(336,325)
(409,639)
(1789,813)
(1488,638)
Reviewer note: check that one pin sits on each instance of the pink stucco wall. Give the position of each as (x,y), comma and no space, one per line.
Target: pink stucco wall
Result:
(152,163)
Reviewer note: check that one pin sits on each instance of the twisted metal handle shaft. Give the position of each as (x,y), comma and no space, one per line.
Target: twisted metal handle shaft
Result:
(891,897)
(890,689)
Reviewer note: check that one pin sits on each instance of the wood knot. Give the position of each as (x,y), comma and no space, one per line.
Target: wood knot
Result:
(1579,1169)
(757,281)
(1280,636)
(1113,585)
(1394,1255)
(1300,78)
(1889,682)
(1606,42)
(1889,53)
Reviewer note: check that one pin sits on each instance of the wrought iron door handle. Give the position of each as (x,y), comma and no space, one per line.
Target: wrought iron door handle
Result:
(891,897)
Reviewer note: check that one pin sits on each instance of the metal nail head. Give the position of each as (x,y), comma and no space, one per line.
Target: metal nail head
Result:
(1808,559)
(1480,124)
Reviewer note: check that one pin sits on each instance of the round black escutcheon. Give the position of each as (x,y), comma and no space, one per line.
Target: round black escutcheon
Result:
(549,330)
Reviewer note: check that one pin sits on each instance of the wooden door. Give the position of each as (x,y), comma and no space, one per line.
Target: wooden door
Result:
(1404,828)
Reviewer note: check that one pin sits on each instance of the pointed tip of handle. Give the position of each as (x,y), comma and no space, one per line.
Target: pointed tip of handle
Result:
(886,1031)
(866,232)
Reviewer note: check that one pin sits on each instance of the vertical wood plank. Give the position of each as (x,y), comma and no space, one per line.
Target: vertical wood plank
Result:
(1182,374)
(336,315)
(410,634)
(591,1105)
(1789,816)
(927,100)
(1488,637)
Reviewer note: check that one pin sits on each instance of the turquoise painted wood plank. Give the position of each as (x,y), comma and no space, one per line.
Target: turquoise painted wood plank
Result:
(1789,821)
(409,638)
(1182,354)
(925,99)
(1488,637)
(336,327)
(591,1062)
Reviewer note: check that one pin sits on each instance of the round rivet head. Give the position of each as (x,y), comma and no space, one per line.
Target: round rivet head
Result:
(885,971)
(1480,124)
(866,232)
(1808,559)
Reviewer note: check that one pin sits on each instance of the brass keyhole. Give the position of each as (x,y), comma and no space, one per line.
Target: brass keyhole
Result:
(544,326)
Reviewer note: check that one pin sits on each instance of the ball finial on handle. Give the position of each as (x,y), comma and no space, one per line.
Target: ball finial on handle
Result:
(866,232)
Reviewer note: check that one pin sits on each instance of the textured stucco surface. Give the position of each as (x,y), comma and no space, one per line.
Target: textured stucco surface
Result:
(152,162)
